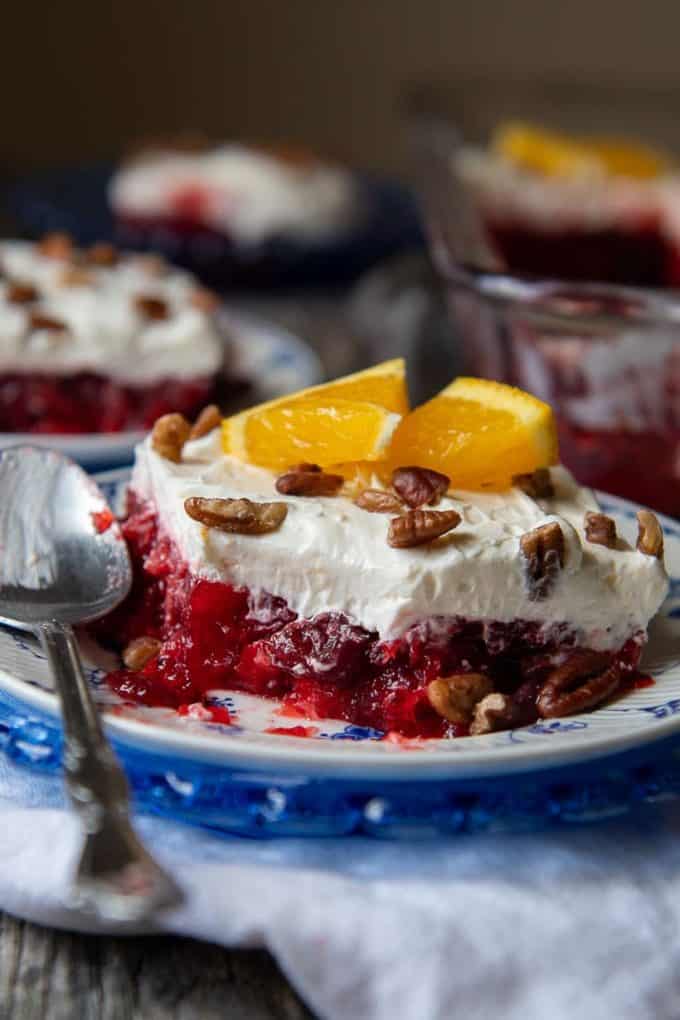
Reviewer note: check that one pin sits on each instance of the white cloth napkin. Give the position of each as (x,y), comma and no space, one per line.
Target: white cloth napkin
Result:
(579,922)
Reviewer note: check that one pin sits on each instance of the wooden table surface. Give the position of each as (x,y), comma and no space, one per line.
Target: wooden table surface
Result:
(50,975)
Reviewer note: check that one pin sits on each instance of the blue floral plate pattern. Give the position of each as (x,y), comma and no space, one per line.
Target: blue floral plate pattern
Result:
(341,779)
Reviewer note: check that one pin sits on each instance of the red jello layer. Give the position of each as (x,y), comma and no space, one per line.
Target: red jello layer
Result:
(217,636)
(637,254)
(88,402)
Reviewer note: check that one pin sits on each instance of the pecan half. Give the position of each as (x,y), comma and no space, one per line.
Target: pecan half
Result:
(21,293)
(205,300)
(308,483)
(454,697)
(582,682)
(492,713)
(600,529)
(48,322)
(102,254)
(56,246)
(543,553)
(538,484)
(140,651)
(418,527)
(240,516)
(418,486)
(210,418)
(650,534)
(168,436)
(378,502)
(152,307)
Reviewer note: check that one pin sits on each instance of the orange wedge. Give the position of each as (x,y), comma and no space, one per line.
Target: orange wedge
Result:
(558,155)
(479,433)
(322,430)
(347,419)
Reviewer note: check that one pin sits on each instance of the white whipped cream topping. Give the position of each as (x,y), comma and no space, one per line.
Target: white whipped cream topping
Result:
(330,555)
(590,200)
(245,193)
(105,333)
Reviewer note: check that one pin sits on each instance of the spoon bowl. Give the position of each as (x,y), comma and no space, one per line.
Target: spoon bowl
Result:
(62,552)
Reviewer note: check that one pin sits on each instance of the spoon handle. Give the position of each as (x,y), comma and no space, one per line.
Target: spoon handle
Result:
(116,877)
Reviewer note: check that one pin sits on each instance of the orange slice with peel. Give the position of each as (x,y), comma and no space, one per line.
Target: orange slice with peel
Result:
(479,433)
(344,420)
(322,430)
(558,155)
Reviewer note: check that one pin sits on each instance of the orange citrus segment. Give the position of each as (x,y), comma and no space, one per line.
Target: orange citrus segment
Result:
(479,433)
(558,155)
(322,430)
(383,385)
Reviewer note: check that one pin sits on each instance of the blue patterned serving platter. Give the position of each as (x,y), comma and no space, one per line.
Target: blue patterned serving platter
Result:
(340,778)
(273,360)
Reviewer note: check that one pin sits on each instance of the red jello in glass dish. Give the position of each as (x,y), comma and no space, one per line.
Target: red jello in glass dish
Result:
(361,585)
(559,276)
(96,341)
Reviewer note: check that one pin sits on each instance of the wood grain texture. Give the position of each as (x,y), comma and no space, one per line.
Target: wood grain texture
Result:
(50,975)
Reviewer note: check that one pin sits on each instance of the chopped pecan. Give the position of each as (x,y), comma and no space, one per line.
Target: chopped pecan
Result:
(418,486)
(205,300)
(492,713)
(650,534)
(308,483)
(417,527)
(600,529)
(56,246)
(210,418)
(543,553)
(75,276)
(102,254)
(240,516)
(454,697)
(21,293)
(48,322)
(538,484)
(140,651)
(582,682)
(152,307)
(378,502)
(169,435)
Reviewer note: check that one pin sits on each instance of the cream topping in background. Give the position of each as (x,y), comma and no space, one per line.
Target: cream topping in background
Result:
(245,193)
(595,201)
(105,333)
(330,555)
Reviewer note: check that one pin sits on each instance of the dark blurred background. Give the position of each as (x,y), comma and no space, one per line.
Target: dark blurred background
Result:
(79,80)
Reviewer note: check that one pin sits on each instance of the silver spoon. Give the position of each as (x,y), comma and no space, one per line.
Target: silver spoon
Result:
(63,561)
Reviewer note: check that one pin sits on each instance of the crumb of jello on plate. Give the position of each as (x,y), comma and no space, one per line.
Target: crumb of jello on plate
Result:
(427,573)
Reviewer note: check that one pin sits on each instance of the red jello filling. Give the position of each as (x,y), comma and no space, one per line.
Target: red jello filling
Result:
(87,402)
(217,636)
(631,254)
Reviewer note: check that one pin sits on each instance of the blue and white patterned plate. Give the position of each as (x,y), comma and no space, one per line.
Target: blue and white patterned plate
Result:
(341,778)
(275,360)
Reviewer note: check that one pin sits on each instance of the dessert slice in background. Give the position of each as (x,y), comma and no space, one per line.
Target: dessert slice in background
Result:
(593,209)
(425,599)
(98,341)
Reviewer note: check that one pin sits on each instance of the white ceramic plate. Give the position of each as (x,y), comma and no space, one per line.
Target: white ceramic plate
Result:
(336,749)
(277,361)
